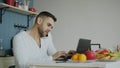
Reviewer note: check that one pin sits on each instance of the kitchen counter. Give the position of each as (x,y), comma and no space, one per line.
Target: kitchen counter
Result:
(95,64)
(5,62)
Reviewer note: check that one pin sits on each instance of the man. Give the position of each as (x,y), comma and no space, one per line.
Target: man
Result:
(35,45)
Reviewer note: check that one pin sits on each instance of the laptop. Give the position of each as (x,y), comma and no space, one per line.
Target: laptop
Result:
(83,45)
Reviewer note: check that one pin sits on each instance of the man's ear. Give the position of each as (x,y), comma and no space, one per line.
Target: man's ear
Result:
(39,20)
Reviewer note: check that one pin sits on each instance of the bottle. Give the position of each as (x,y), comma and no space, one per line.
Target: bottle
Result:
(20,5)
(16,3)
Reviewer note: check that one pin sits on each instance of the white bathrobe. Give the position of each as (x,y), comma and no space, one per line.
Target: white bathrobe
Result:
(26,50)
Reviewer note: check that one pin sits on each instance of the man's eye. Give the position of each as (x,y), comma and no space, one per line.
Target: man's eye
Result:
(49,25)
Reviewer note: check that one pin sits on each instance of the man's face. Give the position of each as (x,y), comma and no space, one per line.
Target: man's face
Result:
(46,26)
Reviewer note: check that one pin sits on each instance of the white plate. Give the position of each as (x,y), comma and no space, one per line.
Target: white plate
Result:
(88,61)
(107,60)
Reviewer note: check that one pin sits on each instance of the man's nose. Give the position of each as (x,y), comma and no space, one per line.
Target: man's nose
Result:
(50,29)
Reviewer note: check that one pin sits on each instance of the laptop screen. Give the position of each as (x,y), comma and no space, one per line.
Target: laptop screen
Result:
(83,45)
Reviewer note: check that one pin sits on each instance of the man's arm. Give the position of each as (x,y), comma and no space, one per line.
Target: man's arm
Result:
(52,51)
(51,48)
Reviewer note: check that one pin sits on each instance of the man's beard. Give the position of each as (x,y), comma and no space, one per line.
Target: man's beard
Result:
(42,34)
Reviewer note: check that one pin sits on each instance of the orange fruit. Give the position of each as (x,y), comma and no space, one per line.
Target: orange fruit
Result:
(75,57)
(79,57)
(82,57)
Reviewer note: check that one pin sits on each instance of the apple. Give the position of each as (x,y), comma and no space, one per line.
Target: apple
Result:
(32,9)
(97,51)
(91,55)
(103,51)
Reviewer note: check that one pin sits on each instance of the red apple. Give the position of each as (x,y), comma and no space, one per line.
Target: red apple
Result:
(97,51)
(103,51)
(90,55)
(32,9)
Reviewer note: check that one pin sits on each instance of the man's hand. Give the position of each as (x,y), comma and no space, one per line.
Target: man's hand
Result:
(71,52)
(59,54)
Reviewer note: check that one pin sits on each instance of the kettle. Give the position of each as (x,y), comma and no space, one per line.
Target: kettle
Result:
(10,2)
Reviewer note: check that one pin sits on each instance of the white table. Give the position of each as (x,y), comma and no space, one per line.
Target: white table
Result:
(96,64)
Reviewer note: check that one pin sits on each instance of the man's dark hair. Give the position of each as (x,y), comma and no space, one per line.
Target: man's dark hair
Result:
(46,14)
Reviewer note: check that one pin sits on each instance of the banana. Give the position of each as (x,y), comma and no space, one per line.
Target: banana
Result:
(105,58)
(118,48)
(98,56)
(113,54)
(113,58)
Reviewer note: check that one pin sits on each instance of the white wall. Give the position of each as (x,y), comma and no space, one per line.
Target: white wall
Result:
(98,20)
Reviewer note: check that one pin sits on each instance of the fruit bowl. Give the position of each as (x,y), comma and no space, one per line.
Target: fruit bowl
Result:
(87,61)
(107,55)
(107,60)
